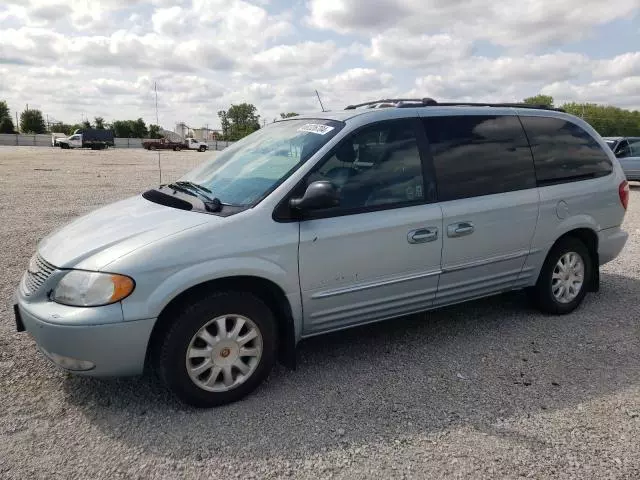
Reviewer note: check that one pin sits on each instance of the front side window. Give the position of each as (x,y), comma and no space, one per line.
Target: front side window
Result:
(377,166)
(245,172)
(563,151)
(479,155)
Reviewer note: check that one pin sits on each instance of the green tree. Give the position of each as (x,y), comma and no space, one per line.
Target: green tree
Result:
(31,121)
(606,119)
(540,99)
(139,129)
(154,131)
(130,128)
(224,123)
(122,128)
(239,121)
(86,124)
(288,115)
(4,110)
(99,123)
(6,125)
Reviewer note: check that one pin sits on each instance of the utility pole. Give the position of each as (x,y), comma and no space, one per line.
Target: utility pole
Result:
(155,88)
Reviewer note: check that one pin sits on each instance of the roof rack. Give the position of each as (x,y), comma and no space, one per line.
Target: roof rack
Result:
(512,105)
(396,102)
(430,102)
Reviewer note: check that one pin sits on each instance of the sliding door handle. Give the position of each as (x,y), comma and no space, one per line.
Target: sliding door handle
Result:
(460,229)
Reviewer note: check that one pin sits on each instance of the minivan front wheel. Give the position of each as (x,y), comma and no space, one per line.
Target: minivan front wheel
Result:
(218,350)
(564,277)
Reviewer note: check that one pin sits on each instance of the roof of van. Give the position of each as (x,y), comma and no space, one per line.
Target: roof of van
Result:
(437,110)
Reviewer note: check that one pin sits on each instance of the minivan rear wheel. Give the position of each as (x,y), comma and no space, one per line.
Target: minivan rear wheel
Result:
(564,278)
(219,349)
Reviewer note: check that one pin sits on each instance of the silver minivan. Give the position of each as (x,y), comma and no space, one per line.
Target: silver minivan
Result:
(319,223)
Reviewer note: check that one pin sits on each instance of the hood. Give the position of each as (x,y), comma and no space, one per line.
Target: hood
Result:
(93,241)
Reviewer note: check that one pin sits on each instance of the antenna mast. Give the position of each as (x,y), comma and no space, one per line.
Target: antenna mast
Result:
(155,88)
(321,106)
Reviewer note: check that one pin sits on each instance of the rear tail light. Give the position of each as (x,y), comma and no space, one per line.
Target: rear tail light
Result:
(623,191)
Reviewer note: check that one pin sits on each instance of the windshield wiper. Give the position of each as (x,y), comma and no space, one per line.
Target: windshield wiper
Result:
(211,204)
(193,185)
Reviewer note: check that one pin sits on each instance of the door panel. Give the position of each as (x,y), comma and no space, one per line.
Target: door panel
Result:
(376,255)
(365,267)
(489,200)
(631,167)
(490,258)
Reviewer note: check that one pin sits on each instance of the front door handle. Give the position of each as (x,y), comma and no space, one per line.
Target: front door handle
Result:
(423,235)
(460,229)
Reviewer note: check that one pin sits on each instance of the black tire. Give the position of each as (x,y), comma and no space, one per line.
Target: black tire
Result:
(176,149)
(542,293)
(171,356)
(202,148)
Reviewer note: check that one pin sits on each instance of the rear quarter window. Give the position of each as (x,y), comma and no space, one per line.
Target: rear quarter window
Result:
(477,155)
(563,151)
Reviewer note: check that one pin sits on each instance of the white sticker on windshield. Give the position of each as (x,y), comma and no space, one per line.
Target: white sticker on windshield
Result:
(316,128)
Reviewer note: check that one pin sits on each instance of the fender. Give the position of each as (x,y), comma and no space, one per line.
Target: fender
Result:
(541,247)
(145,303)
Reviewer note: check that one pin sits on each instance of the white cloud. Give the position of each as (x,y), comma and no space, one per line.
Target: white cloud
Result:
(103,57)
(395,48)
(285,60)
(620,66)
(526,22)
(502,78)
(171,21)
(623,92)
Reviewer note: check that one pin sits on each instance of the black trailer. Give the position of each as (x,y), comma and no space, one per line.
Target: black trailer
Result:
(95,138)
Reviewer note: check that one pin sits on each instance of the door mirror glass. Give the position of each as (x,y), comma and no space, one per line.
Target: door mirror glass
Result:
(319,195)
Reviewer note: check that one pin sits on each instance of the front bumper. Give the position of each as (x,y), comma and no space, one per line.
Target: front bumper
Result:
(112,348)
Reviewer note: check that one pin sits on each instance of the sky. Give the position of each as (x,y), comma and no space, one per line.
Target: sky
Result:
(75,59)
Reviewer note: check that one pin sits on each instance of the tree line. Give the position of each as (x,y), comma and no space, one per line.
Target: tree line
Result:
(241,120)
(237,122)
(608,121)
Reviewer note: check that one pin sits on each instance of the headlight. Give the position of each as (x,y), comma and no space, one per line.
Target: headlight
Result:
(92,289)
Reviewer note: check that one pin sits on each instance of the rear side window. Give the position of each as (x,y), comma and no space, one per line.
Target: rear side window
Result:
(563,151)
(479,155)
(634,147)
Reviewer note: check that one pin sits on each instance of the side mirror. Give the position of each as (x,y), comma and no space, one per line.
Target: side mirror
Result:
(319,195)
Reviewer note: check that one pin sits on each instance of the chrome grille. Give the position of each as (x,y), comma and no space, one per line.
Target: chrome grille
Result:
(38,272)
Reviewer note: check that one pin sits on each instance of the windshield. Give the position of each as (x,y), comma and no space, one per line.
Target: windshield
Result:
(245,172)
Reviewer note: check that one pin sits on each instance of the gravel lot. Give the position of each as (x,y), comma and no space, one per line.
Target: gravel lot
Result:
(489,389)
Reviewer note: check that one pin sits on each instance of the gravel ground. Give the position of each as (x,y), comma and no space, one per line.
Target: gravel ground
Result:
(490,389)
